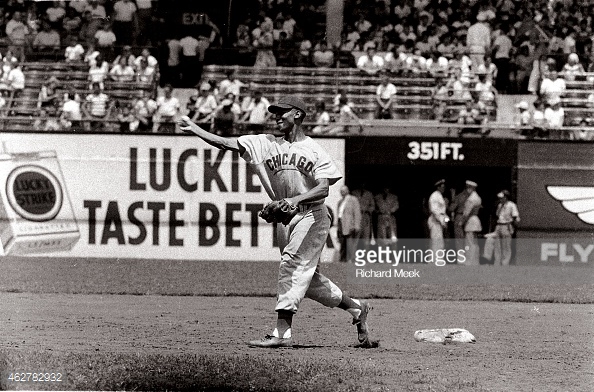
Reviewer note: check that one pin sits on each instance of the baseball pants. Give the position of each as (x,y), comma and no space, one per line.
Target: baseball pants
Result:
(472,248)
(301,243)
(503,244)
(435,233)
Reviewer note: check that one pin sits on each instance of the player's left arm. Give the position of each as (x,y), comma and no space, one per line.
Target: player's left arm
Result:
(318,192)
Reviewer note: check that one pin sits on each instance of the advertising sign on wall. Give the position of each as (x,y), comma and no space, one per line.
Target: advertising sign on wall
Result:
(137,197)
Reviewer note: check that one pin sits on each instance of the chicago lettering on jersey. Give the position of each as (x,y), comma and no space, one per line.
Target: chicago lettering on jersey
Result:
(289,162)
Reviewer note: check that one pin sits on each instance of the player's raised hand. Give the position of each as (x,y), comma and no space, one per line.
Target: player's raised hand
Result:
(185,124)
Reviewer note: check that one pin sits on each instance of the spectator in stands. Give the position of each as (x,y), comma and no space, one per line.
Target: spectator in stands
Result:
(98,71)
(55,14)
(523,119)
(148,57)
(49,97)
(167,109)
(289,24)
(45,123)
(572,68)
(144,109)
(72,22)
(487,68)
(552,87)
(395,62)
(125,118)
(346,118)
(305,46)
(127,55)
(16,31)
(323,56)
(71,113)
(144,73)
(91,55)
(105,40)
(89,28)
(439,99)
(471,114)
(256,114)
(78,5)
(447,47)
(224,118)
(122,72)
(336,105)
(554,116)
(362,25)
(385,96)
(74,51)
(97,10)
(487,94)
(437,65)
(458,88)
(124,21)
(47,42)
(501,49)
(230,85)
(264,43)
(478,39)
(322,119)
(97,107)
(205,105)
(539,123)
(371,63)
(16,80)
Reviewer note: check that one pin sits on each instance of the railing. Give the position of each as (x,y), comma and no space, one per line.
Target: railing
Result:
(363,128)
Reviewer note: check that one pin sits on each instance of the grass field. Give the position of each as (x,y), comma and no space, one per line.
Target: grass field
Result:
(171,325)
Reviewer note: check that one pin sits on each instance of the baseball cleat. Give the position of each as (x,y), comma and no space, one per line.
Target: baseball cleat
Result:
(361,323)
(270,341)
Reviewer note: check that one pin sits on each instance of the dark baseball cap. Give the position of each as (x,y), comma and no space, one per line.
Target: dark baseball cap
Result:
(287,103)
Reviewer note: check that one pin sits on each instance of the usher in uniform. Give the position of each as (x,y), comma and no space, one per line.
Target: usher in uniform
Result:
(289,169)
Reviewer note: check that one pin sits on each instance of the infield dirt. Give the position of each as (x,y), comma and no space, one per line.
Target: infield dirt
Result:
(520,346)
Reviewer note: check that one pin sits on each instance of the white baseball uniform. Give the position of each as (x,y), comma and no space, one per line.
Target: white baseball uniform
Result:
(286,170)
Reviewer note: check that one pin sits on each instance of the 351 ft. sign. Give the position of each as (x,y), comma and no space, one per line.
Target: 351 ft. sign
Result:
(427,151)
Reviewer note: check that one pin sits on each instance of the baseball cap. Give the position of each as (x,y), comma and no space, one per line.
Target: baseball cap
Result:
(471,183)
(438,183)
(504,193)
(287,103)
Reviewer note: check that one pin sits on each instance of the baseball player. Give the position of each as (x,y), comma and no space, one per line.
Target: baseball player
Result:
(294,169)
(438,219)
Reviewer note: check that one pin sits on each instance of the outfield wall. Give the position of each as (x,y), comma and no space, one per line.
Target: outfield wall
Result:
(175,197)
(153,196)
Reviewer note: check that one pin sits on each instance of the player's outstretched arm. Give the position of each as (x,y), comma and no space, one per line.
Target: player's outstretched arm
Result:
(222,143)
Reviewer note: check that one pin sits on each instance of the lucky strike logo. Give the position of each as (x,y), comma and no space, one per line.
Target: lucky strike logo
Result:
(34,193)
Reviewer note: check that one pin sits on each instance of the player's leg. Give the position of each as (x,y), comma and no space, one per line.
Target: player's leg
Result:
(327,293)
(301,244)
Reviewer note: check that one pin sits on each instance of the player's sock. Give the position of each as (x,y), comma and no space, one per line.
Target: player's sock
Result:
(283,324)
(353,306)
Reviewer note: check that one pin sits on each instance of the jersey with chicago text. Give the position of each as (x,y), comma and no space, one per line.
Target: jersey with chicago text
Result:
(288,169)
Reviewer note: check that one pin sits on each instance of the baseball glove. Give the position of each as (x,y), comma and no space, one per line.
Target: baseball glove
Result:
(279,211)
